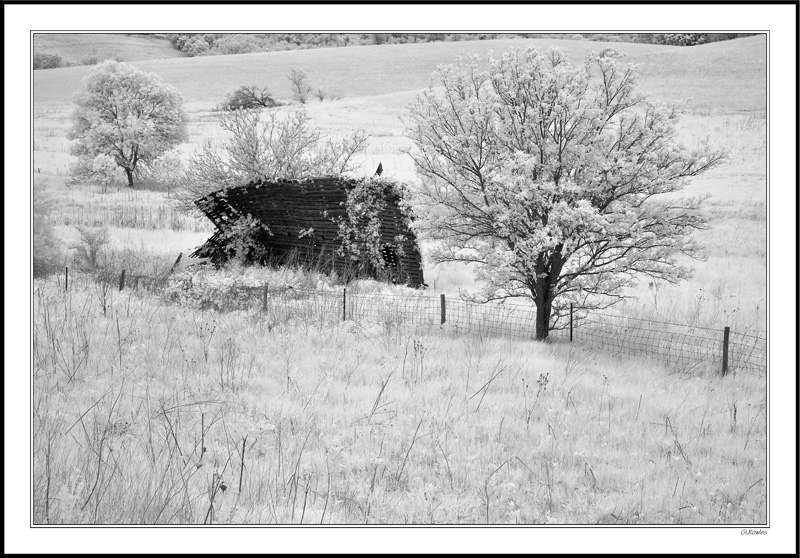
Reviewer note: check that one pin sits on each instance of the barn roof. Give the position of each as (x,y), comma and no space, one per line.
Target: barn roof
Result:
(302,215)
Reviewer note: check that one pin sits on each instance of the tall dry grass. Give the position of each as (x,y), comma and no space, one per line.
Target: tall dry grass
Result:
(149,413)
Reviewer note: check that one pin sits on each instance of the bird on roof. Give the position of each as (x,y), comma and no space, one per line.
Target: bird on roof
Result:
(380,169)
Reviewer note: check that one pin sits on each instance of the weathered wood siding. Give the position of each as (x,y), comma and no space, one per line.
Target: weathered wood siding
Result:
(289,208)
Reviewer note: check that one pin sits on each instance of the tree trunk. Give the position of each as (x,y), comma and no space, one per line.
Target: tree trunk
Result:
(129,174)
(543,309)
(548,270)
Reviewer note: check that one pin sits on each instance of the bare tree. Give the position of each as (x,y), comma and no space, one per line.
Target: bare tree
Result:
(300,88)
(266,146)
(248,97)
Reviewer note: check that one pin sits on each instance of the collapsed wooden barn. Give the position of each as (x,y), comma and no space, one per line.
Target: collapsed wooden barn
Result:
(301,221)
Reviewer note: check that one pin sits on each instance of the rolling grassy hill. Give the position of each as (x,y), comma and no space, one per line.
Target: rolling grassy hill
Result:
(75,48)
(729,75)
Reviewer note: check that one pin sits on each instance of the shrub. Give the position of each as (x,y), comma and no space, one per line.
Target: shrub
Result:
(207,291)
(196,46)
(102,170)
(135,260)
(609,52)
(90,248)
(42,61)
(234,287)
(684,39)
(249,97)
(240,241)
(237,44)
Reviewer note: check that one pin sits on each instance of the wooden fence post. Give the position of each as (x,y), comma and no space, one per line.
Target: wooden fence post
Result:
(725,337)
(444,311)
(66,278)
(180,255)
(122,280)
(264,304)
(344,303)
(570,321)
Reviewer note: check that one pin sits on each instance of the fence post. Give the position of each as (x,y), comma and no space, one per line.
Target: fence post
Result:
(122,280)
(266,297)
(180,255)
(344,303)
(444,311)
(570,321)
(66,278)
(725,337)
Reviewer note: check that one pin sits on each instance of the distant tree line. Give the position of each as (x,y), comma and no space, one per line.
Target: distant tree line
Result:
(200,44)
(45,61)
(678,39)
(203,44)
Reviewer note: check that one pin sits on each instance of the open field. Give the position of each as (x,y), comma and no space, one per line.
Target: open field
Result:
(76,48)
(382,424)
(669,73)
(149,413)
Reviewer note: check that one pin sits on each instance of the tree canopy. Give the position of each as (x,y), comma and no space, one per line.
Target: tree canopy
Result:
(127,114)
(559,181)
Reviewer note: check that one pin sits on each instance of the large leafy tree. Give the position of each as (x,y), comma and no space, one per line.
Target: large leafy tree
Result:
(559,181)
(127,114)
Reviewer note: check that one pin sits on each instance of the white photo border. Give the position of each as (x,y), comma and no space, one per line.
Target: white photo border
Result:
(779,20)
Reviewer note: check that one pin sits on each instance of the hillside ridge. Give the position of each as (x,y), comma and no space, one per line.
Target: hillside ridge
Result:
(668,72)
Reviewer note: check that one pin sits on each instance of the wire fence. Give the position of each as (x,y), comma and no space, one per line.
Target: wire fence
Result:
(496,319)
(68,277)
(748,353)
(676,344)
(667,342)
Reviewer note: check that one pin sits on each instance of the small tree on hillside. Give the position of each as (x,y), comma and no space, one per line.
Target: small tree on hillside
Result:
(300,88)
(102,170)
(127,114)
(558,181)
(168,169)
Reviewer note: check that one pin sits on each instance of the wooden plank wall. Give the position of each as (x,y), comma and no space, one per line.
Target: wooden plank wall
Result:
(290,207)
